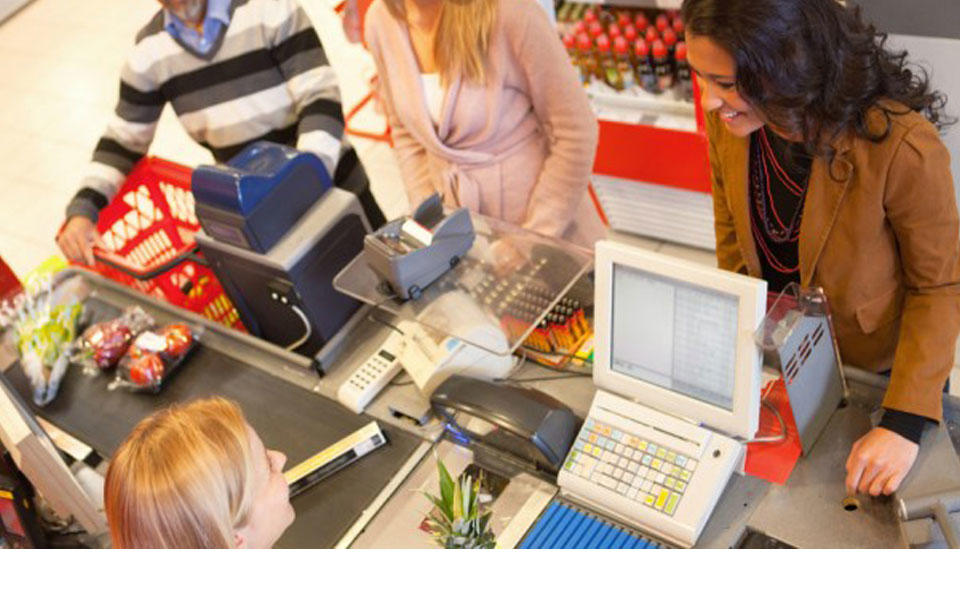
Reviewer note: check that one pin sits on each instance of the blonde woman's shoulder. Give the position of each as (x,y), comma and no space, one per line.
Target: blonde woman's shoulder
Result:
(517,15)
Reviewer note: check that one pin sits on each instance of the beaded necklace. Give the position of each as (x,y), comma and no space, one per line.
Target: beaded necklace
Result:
(776,236)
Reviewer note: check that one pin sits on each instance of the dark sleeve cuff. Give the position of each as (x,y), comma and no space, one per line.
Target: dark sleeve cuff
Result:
(87,203)
(905,424)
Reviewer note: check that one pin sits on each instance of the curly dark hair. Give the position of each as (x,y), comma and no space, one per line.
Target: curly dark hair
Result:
(814,67)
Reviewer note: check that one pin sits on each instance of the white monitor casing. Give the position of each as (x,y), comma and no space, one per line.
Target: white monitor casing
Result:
(743,420)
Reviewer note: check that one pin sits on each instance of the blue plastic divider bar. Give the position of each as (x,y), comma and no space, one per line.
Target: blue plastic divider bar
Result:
(566,515)
(540,529)
(583,521)
(563,526)
(592,530)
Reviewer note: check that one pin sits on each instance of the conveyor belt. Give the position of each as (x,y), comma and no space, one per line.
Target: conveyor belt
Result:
(288,418)
(564,526)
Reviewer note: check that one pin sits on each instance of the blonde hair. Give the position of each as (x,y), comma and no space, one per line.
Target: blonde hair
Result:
(182,478)
(463,37)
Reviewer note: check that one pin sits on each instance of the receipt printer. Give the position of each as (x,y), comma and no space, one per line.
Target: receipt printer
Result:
(259,195)
(284,294)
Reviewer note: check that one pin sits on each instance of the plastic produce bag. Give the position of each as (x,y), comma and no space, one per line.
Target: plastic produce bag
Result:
(153,356)
(101,345)
(44,333)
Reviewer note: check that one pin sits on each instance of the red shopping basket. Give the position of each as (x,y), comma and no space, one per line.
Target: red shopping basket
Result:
(147,231)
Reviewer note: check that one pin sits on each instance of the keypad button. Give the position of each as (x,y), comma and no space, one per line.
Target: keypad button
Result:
(680,487)
(670,482)
(611,444)
(634,466)
(588,448)
(641,445)
(647,459)
(646,485)
(632,494)
(642,471)
(685,475)
(660,478)
(617,435)
(622,488)
(671,456)
(617,473)
(649,500)
(651,448)
(623,463)
(671,506)
(661,452)
(619,448)
(655,464)
(597,451)
(681,461)
(661,499)
(592,438)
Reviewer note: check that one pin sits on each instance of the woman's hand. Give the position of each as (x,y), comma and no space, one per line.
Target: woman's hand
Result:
(879,461)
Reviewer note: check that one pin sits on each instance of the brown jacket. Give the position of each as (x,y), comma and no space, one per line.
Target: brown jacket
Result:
(880,235)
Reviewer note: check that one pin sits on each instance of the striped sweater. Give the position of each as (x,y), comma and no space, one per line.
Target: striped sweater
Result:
(265,78)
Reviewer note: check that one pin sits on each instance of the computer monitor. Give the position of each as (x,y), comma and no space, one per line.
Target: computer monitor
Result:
(678,336)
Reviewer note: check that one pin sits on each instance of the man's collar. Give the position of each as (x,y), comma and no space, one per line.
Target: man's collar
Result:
(216,9)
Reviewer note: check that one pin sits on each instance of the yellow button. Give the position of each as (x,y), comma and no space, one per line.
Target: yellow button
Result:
(597,451)
(642,445)
(671,482)
(661,452)
(648,500)
(588,449)
(671,457)
(681,486)
(685,476)
(672,504)
(661,499)
(656,464)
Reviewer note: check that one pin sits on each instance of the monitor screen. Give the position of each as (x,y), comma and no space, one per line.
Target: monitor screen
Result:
(674,334)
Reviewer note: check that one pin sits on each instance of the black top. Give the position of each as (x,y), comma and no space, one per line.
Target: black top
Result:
(779,172)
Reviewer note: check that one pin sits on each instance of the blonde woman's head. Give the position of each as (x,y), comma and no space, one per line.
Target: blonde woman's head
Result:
(462,42)
(196,475)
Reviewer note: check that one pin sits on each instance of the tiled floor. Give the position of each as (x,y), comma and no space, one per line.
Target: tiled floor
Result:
(59,67)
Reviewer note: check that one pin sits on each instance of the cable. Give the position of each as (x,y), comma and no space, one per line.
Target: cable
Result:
(770,439)
(376,319)
(550,378)
(306,324)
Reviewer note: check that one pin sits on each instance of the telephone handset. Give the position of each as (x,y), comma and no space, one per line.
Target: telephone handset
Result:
(524,422)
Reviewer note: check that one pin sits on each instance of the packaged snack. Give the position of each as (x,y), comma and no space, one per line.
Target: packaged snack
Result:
(44,332)
(153,355)
(102,344)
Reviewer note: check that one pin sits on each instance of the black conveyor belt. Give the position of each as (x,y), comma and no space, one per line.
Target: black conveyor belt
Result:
(288,418)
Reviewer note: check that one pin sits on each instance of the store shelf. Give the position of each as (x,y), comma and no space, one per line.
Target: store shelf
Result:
(639,107)
(657,211)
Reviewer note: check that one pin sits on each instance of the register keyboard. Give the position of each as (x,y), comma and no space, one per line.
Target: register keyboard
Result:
(631,466)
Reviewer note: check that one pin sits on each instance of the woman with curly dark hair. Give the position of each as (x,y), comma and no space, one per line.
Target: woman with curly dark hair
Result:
(828,171)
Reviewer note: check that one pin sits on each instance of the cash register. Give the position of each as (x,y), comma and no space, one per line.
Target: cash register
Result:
(276,232)
(678,376)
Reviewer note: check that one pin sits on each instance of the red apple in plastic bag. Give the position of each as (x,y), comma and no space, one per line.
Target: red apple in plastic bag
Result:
(107,342)
(178,339)
(146,370)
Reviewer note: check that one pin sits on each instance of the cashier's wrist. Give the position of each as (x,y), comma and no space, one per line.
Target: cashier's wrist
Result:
(907,425)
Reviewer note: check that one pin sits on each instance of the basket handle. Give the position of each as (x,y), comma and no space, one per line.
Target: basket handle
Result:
(114,260)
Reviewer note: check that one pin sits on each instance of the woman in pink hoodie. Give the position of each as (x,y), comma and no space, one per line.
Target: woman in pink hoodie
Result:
(485,108)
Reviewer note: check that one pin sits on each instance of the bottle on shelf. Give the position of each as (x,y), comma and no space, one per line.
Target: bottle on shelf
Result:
(608,65)
(661,66)
(595,29)
(684,80)
(630,34)
(621,51)
(662,22)
(679,28)
(651,35)
(614,31)
(670,41)
(579,27)
(623,19)
(640,22)
(587,59)
(590,16)
(645,78)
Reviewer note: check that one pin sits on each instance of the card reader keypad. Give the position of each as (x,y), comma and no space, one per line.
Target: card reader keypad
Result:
(646,473)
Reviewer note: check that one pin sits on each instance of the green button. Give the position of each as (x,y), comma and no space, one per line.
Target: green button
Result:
(672,504)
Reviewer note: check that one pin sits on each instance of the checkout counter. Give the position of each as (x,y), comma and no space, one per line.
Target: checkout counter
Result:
(377,501)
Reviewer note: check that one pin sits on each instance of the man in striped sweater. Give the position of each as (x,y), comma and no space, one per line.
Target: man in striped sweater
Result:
(235,71)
